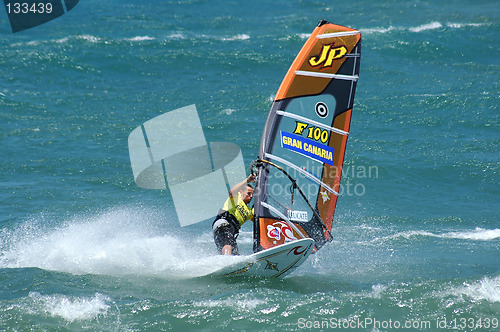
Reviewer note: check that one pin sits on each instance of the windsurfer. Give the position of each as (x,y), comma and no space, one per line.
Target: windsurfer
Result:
(232,216)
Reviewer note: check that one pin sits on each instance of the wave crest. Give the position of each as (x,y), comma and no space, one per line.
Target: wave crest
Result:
(478,234)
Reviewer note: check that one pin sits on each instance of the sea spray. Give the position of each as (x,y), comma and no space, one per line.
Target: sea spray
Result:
(71,308)
(122,241)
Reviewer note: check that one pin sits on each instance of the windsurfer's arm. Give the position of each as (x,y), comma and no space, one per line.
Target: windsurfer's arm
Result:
(241,185)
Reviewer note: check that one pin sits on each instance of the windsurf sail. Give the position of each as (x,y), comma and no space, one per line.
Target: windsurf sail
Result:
(303,143)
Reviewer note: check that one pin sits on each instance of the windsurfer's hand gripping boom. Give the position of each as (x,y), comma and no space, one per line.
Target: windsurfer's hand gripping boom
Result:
(241,185)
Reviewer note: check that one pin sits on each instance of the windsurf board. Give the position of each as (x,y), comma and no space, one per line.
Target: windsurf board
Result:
(270,263)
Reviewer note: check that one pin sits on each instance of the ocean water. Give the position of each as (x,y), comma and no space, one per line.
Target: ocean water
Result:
(417,229)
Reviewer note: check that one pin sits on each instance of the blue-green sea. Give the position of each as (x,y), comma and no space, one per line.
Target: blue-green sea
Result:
(417,227)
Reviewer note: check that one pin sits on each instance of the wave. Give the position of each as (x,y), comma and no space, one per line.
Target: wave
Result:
(89,38)
(421,28)
(176,35)
(120,242)
(478,234)
(377,291)
(486,289)
(379,30)
(135,39)
(237,37)
(69,39)
(70,308)
(428,26)
(140,38)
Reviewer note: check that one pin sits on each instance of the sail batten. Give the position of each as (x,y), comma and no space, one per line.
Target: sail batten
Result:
(338,34)
(301,171)
(303,143)
(319,124)
(327,75)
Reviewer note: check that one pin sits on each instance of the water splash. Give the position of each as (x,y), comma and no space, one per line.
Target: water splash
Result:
(70,308)
(123,241)
(486,289)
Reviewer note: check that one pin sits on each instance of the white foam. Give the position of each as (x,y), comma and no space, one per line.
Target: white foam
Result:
(304,35)
(70,308)
(404,235)
(118,242)
(176,35)
(377,291)
(424,27)
(62,40)
(238,302)
(140,38)
(378,30)
(238,37)
(461,25)
(228,111)
(478,234)
(89,38)
(487,289)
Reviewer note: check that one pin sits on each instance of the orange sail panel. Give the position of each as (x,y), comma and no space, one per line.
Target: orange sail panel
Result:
(303,144)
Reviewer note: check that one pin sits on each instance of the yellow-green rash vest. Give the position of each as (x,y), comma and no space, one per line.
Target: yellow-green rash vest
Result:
(238,209)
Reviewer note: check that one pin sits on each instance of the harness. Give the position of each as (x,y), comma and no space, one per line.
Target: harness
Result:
(231,220)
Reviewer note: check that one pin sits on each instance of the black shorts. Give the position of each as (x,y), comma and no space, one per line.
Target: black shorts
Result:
(225,234)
